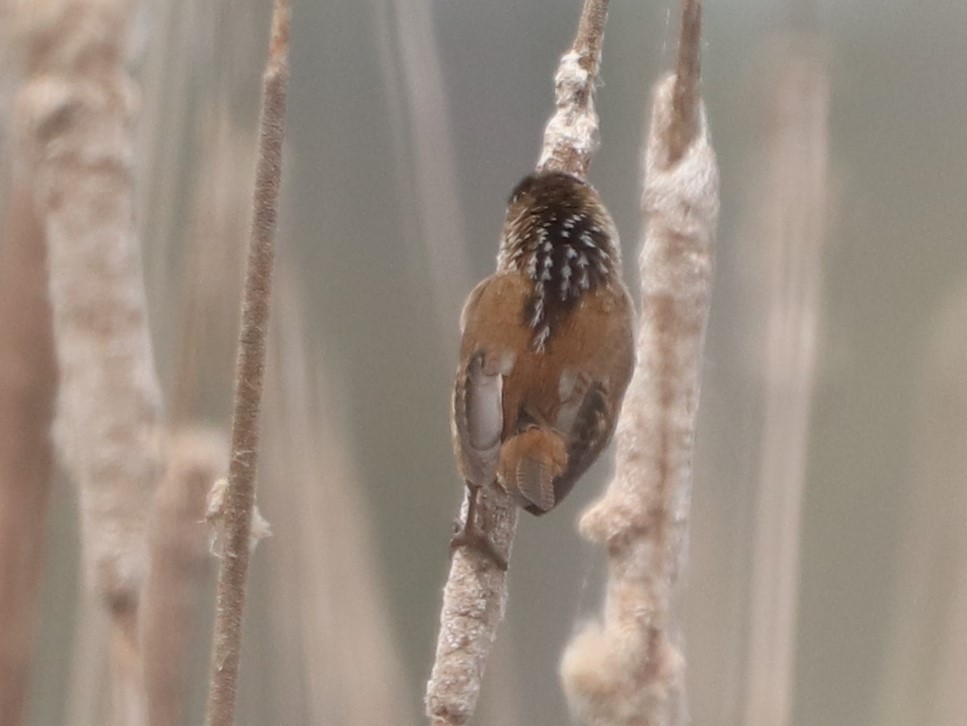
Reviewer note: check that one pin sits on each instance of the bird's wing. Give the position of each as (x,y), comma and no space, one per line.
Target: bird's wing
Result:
(478,392)
(590,399)
(477,420)
(591,424)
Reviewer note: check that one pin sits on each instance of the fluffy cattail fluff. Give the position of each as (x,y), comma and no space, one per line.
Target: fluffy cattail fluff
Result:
(75,112)
(629,669)
(74,119)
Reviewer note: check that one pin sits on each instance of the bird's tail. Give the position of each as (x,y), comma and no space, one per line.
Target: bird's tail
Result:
(529,463)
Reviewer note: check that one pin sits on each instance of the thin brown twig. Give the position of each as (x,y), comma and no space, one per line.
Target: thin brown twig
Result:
(240,496)
(629,669)
(475,594)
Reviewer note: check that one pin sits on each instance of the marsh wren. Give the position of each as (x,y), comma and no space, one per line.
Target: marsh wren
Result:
(546,351)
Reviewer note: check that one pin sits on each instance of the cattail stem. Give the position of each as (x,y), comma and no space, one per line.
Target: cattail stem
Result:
(240,496)
(475,594)
(629,670)
(28,384)
(571,136)
(180,565)
(688,72)
(75,116)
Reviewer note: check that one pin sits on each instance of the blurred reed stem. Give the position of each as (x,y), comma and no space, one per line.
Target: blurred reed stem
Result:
(75,115)
(792,213)
(180,565)
(326,601)
(28,386)
(925,657)
(426,161)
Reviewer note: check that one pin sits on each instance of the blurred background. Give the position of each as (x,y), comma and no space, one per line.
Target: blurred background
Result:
(828,557)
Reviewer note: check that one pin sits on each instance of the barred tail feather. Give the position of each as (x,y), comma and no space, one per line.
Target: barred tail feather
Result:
(529,463)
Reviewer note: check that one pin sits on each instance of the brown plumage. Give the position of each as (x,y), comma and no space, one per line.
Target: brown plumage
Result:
(546,350)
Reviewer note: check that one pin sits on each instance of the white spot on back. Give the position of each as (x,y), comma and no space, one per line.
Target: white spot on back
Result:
(538,308)
(532,267)
(541,338)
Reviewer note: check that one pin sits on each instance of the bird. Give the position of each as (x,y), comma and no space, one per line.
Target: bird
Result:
(546,352)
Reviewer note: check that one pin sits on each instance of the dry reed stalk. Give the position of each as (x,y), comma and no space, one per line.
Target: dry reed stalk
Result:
(195,456)
(213,267)
(239,502)
(74,115)
(180,564)
(925,658)
(28,385)
(199,62)
(940,534)
(87,699)
(475,593)
(433,176)
(170,67)
(630,669)
(326,600)
(792,237)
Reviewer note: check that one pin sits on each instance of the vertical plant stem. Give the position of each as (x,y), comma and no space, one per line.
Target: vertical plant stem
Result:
(925,656)
(325,597)
(28,384)
(475,594)
(431,175)
(180,563)
(688,74)
(629,670)
(75,117)
(571,135)
(240,496)
(792,237)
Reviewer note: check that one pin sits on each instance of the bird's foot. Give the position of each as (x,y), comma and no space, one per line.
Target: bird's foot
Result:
(475,539)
